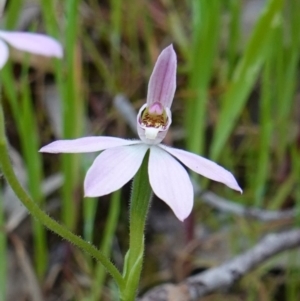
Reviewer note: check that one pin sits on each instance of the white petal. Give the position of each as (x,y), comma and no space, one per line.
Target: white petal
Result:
(170,182)
(33,42)
(113,168)
(4,53)
(162,83)
(86,144)
(151,133)
(204,167)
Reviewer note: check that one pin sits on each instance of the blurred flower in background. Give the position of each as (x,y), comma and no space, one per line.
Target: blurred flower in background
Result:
(30,42)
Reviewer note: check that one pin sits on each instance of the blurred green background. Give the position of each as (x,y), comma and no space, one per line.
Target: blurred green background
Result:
(237,102)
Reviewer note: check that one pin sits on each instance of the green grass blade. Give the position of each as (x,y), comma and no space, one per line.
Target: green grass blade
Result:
(234,34)
(70,88)
(33,160)
(266,131)
(287,71)
(25,120)
(12,13)
(206,25)
(72,112)
(106,243)
(245,75)
(115,33)
(89,214)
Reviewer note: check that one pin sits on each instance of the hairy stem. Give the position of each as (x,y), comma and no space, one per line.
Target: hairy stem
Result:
(139,205)
(41,216)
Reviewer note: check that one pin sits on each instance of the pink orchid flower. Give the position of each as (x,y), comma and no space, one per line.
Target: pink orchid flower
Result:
(30,42)
(121,158)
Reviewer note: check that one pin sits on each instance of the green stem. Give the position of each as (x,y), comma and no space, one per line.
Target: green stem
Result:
(42,217)
(139,205)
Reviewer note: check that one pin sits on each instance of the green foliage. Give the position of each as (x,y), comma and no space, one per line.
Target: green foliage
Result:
(236,95)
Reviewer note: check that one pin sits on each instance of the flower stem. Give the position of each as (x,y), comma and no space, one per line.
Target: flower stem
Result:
(139,205)
(42,217)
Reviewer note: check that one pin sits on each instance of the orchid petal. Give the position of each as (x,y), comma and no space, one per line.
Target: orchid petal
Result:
(4,53)
(162,84)
(141,129)
(86,145)
(113,168)
(33,42)
(170,182)
(204,167)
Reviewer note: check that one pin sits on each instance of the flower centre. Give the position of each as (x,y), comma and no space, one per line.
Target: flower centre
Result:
(155,116)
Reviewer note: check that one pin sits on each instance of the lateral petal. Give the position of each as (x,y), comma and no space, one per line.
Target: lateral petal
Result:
(33,42)
(86,144)
(162,83)
(170,182)
(113,168)
(204,167)
(4,53)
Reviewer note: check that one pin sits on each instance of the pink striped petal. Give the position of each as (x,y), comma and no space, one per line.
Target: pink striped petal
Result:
(33,42)
(204,167)
(170,182)
(162,84)
(3,54)
(85,145)
(113,168)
